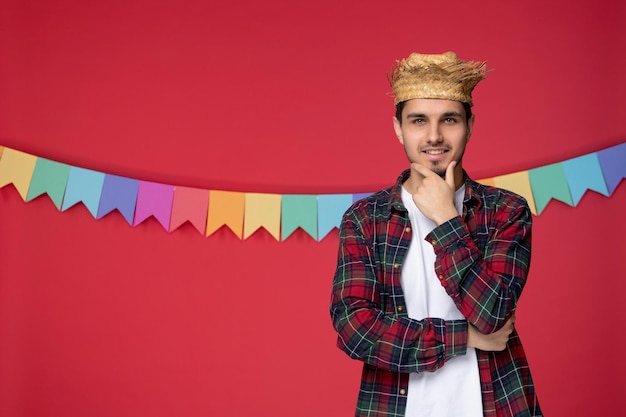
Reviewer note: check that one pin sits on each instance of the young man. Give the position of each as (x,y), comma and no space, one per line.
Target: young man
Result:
(430,270)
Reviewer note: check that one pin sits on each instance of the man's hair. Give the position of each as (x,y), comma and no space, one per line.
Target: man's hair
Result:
(400,107)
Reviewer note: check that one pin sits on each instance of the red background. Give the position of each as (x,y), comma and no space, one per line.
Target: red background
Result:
(98,318)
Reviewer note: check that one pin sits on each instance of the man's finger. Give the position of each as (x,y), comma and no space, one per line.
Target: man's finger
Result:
(450,174)
(421,169)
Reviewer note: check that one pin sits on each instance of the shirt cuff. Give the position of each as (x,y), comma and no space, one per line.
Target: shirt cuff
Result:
(456,338)
(448,235)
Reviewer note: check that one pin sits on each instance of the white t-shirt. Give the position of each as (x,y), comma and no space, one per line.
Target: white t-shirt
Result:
(454,389)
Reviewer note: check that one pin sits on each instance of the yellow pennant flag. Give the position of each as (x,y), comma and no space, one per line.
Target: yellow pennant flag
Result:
(226,208)
(17,168)
(519,183)
(262,210)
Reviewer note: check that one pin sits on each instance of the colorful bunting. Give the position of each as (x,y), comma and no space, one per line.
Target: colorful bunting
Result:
(280,215)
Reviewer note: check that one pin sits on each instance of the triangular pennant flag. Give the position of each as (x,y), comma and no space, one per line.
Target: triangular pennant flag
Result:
(49,177)
(226,208)
(359,196)
(330,209)
(518,183)
(549,182)
(299,211)
(83,185)
(154,199)
(190,204)
(17,168)
(118,193)
(489,182)
(262,210)
(584,173)
(613,164)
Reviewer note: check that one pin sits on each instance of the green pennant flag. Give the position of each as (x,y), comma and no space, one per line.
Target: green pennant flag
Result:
(49,177)
(299,211)
(549,182)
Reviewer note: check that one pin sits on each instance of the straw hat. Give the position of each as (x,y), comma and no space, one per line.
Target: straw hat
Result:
(442,76)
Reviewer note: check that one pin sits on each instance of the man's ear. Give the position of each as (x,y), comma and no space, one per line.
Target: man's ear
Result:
(397,127)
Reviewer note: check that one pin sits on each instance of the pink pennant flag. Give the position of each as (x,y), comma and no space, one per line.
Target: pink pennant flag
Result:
(154,199)
(190,204)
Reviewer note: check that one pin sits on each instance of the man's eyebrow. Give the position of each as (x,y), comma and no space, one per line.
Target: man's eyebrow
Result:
(416,115)
(424,116)
(452,114)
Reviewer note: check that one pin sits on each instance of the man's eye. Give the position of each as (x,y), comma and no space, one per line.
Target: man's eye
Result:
(450,120)
(418,121)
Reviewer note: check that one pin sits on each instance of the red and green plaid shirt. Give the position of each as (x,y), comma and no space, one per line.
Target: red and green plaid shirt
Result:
(482,260)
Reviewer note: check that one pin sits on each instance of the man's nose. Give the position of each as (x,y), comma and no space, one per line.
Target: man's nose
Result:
(434,134)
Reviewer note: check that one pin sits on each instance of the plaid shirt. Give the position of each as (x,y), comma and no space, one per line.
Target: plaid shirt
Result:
(482,260)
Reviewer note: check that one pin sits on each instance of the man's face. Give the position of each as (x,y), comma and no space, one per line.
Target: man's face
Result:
(434,133)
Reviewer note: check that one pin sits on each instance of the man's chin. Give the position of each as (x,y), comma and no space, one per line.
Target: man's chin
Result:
(439,169)
(440,172)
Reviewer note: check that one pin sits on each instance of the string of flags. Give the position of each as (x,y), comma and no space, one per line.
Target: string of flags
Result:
(244,213)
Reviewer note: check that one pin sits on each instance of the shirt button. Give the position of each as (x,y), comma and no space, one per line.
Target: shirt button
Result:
(407,229)
(402,391)
(396,266)
(441,277)
(400,308)
(433,242)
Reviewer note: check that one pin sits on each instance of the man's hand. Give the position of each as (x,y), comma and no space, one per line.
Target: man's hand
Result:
(435,196)
(490,342)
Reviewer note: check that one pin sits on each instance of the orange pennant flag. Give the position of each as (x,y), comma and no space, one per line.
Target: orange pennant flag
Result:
(226,208)
(262,210)
(17,168)
(487,181)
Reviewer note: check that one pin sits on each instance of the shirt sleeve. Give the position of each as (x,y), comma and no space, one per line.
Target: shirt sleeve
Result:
(366,331)
(486,283)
